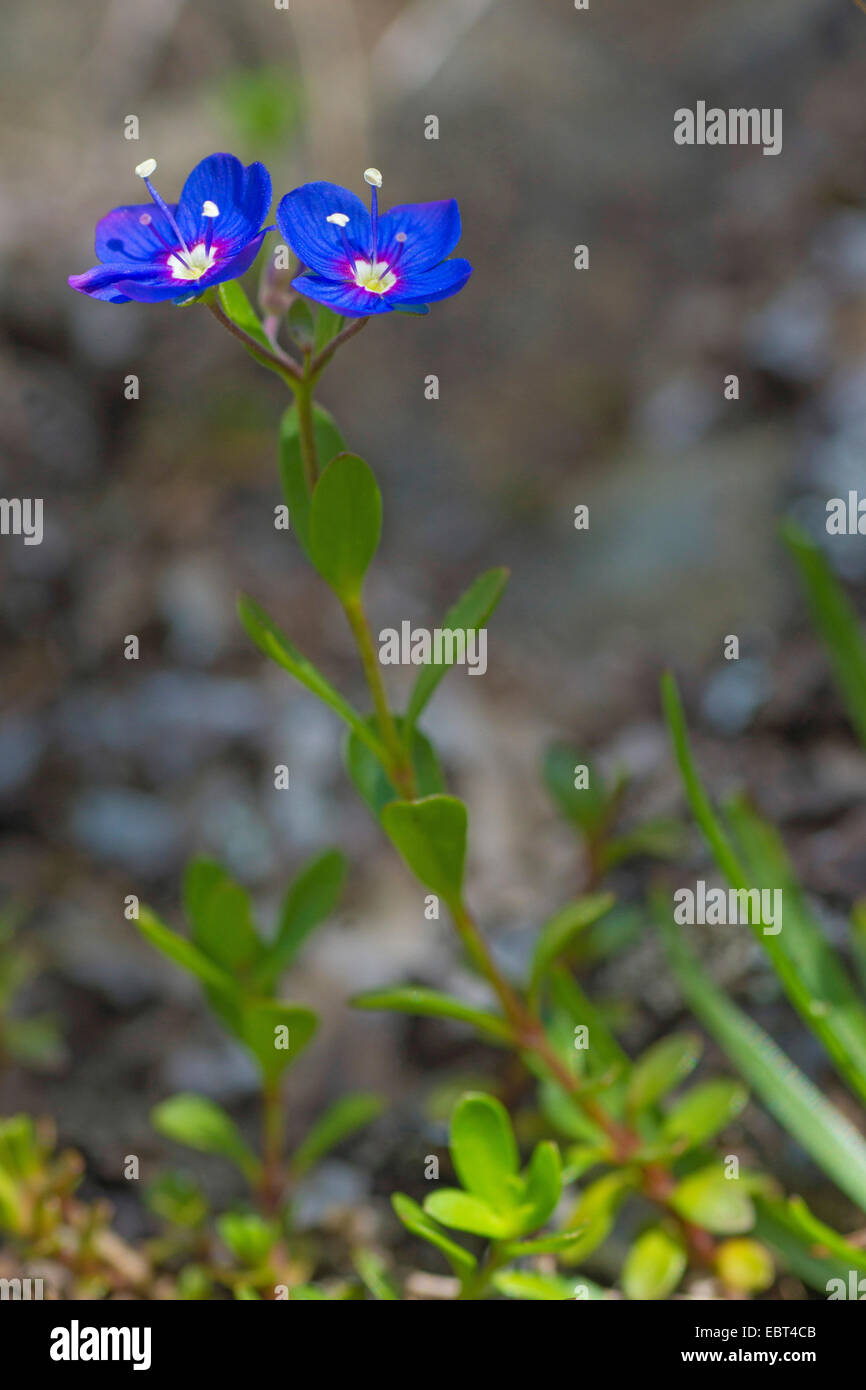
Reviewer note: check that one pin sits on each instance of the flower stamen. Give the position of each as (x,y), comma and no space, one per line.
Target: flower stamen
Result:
(147,221)
(211,212)
(374,179)
(374,276)
(340,219)
(144,171)
(401,239)
(192,265)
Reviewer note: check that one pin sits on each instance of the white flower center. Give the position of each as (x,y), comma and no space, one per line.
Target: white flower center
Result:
(376,278)
(192,265)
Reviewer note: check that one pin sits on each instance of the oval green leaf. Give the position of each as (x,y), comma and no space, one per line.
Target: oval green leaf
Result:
(662,1067)
(484,1150)
(430,834)
(654,1266)
(705,1110)
(345,524)
(202,1124)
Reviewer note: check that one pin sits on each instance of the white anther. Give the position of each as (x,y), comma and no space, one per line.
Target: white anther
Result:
(401,236)
(339,219)
(146,168)
(209,209)
(373,177)
(145,219)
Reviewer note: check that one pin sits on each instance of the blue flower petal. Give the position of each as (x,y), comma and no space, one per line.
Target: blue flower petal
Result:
(302,218)
(439,283)
(233,267)
(163,285)
(121,235)
(102,281)
(431,232)
(243,196)
(344,296)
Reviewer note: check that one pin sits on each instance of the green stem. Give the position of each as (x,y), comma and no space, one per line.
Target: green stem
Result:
(479,953)
(275,360)
(476,1285)
(270,1189)
(320,362)
(307,430)
(400,767)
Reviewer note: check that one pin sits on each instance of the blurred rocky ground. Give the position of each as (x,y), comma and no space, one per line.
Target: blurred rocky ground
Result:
(557,387)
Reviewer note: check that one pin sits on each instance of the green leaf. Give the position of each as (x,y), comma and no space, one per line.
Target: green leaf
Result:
(22,1151)
(812,976)
(35,1042)
(814,1264)
(532,1287)
(429,1003)
(276,1033)
(484,1150)
(719,1204)
(202,1124)
(344,1117)
(299,323)
(370,779)
(194,1285)
(328,325)
(373,1271)
(183,952)
(249,1238)
(464,1212)
(587,807)
(655,839)
(468,614)
(543,1186)
(309,901)
(345,524)
(431,837)
(237,307)
(858,939)
(821,1129)
(704,1110)
(177,1199)
(420,1224)
(329,443)
(654,1266)
(837,622)
(543,1245)
(596,1212)
(662,1067)
(221,916)
(569,995)
(822,1235)
(559,932)
(275,644)
(566,1115)
(702,809)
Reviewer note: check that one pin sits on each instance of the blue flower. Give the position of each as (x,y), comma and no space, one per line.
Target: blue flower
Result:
(359,263)
(158,251)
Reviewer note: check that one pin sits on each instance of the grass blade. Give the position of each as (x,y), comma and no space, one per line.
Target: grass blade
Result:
(798,1105)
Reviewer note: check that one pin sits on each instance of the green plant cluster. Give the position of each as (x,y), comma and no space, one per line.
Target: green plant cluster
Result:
(605,1175)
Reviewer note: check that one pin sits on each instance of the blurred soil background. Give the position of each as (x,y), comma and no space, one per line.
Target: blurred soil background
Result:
(558,387)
